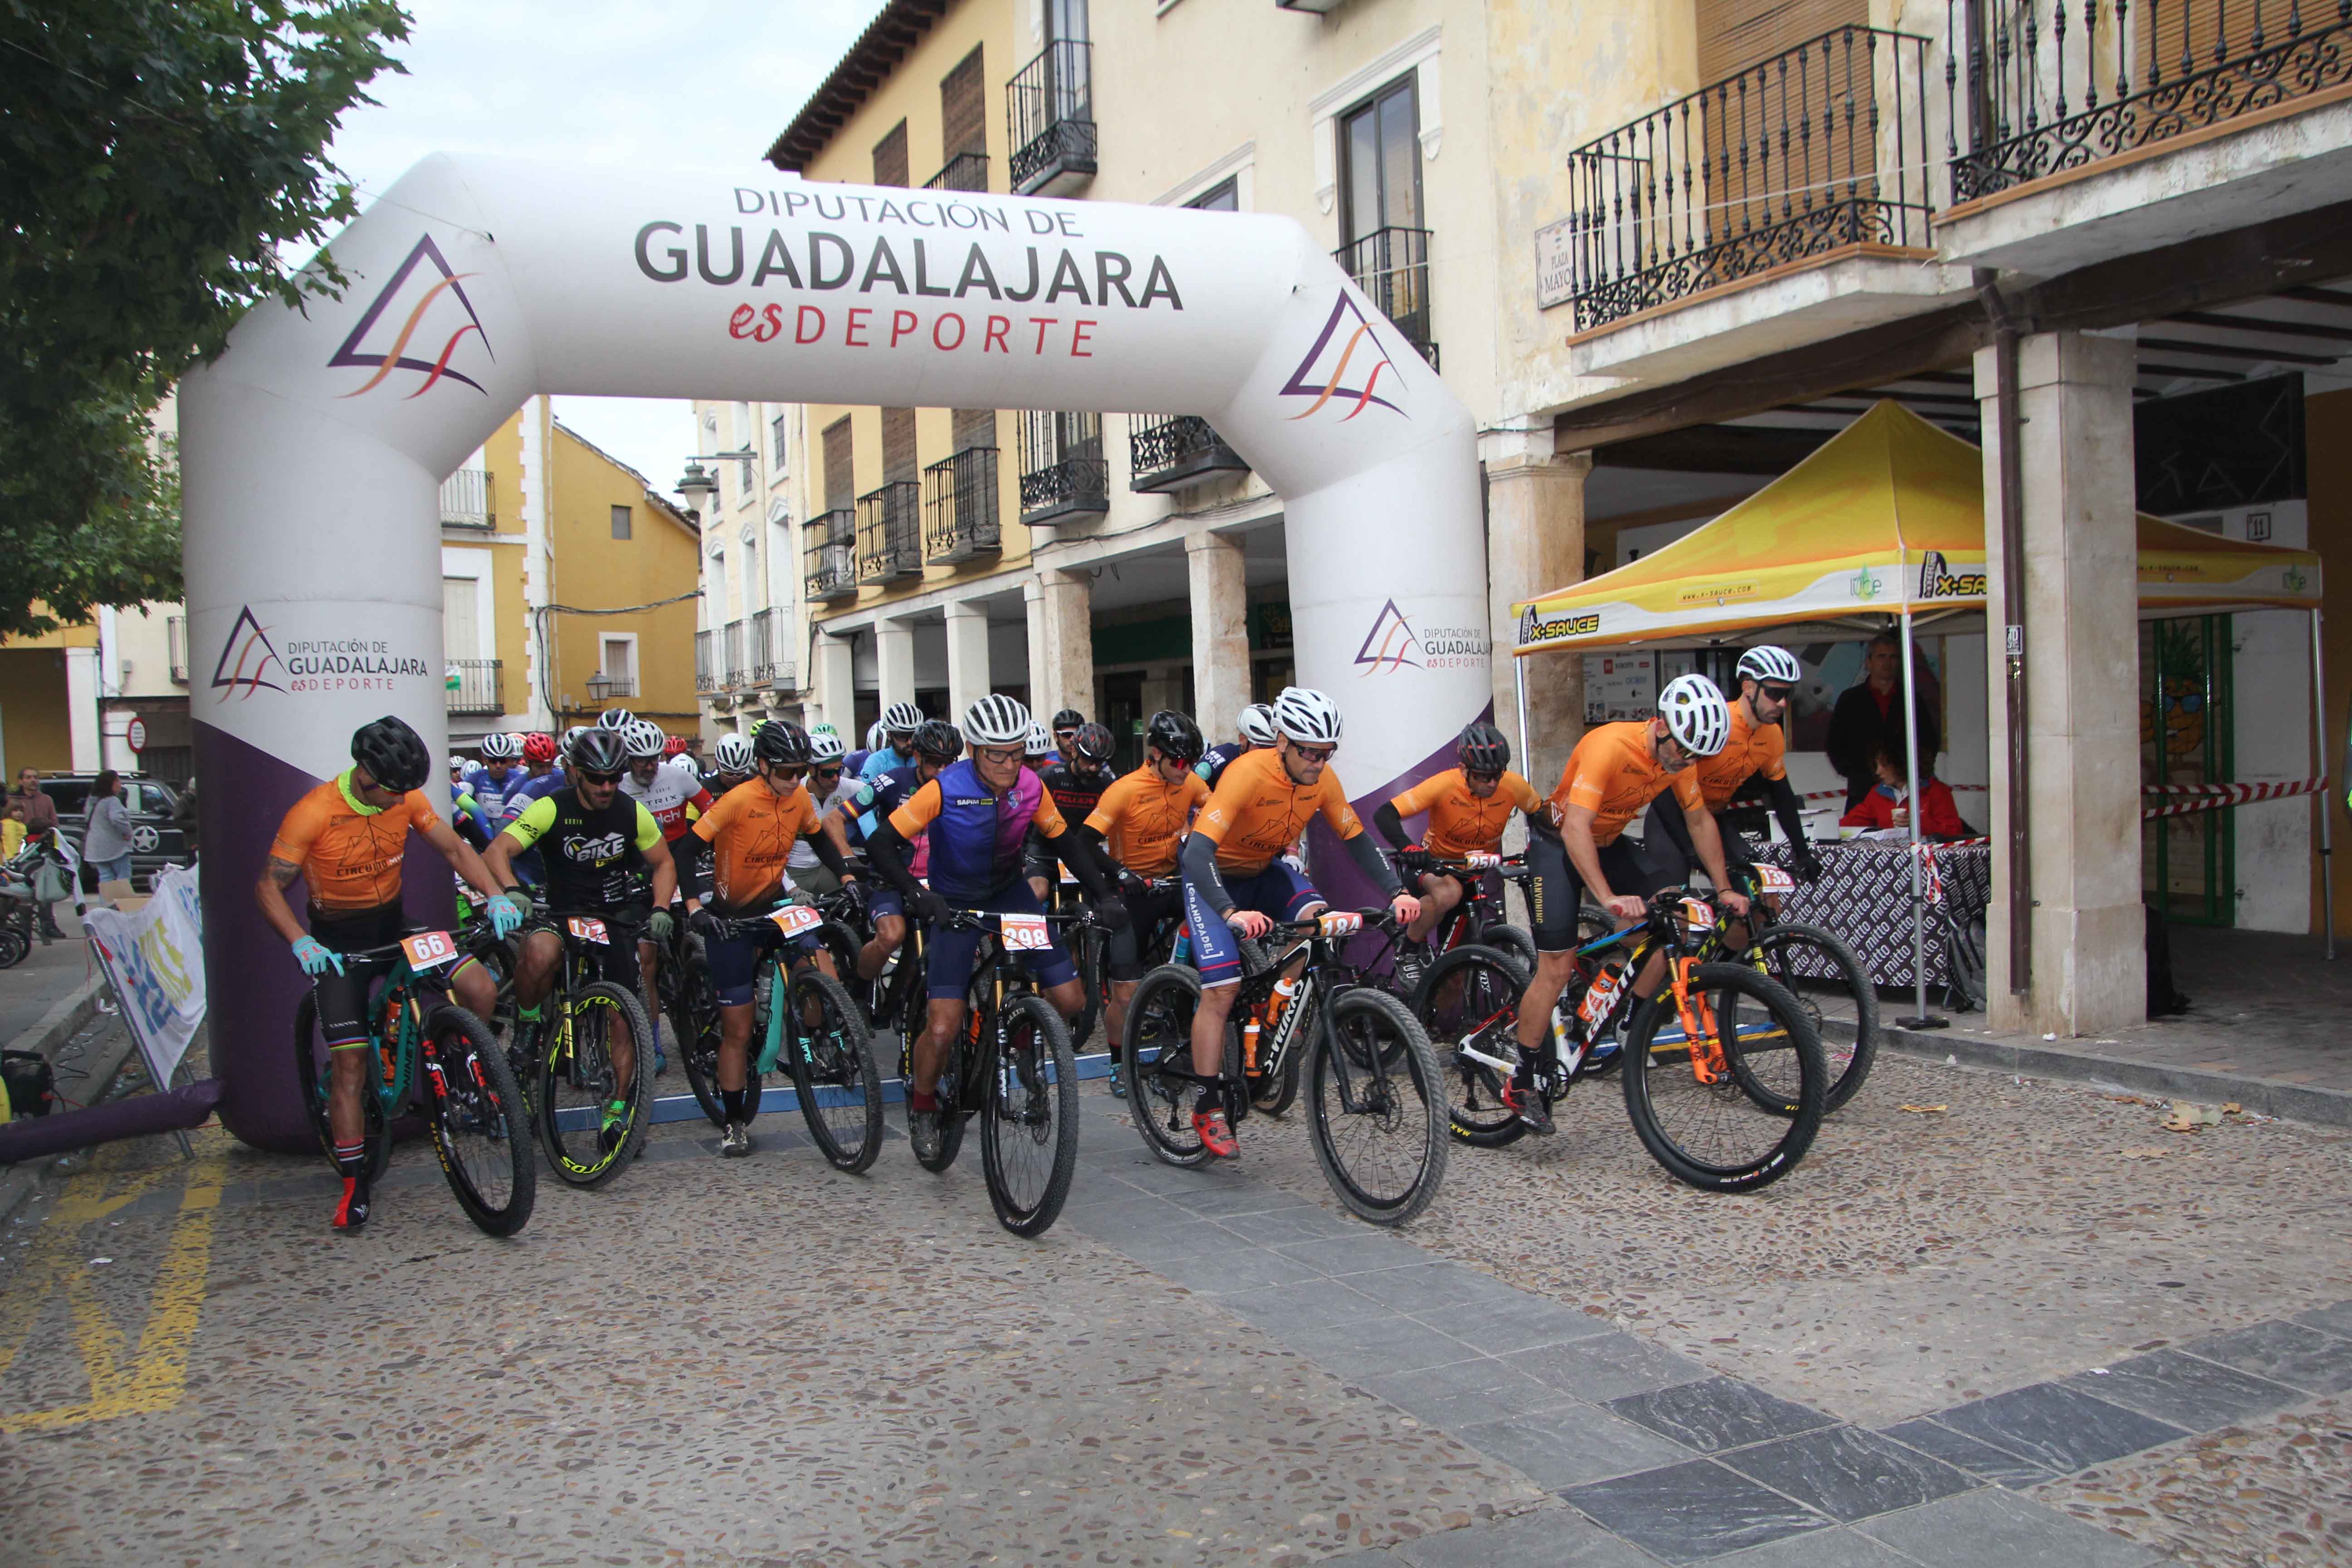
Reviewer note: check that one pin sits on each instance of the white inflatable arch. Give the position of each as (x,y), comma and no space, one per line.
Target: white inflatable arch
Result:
(313,449)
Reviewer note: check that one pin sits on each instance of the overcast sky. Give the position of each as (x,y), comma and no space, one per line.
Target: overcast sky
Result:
(697,83)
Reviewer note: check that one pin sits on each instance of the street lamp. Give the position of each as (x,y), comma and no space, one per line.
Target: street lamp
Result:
(699,481)
(600,687)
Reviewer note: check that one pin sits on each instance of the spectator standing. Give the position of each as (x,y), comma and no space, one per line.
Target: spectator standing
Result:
(12,828)
(106,841)
(1869,715)
(40,818)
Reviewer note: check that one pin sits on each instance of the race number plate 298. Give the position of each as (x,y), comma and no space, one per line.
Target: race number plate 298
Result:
(796,919)
(428,949)
(589,930)
(1024,933)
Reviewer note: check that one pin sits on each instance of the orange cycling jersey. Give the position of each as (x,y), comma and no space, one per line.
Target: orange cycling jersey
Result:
(349,850)
(1257,813)
(1753,749)
(1459,822)
(1614,771)
(751,833)
(1141,815)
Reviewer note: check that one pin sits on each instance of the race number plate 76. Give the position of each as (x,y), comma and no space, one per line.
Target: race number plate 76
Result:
(428,949)
(796,919)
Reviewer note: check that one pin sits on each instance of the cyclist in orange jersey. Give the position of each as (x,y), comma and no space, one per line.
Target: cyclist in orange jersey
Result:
(1468,807)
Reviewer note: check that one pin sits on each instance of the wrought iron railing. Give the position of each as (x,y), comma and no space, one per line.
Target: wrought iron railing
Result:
(469,499)
(1063,469)
(763,651)
(1051,106)
(1391,266)
(890,532)
(175,637)
(707,676)
(1168,451)
(964,172)
(2034,90)
(960,506)
(475,686)
(829,551)
(1821,147)
(731,640)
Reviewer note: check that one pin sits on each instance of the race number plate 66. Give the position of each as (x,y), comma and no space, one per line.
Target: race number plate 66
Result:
(428,947)
(797,919)
(1025,933)
(588,929)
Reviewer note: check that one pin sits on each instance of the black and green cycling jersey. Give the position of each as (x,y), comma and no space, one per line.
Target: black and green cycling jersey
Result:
(594,858)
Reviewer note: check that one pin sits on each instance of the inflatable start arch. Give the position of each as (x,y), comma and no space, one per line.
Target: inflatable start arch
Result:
(314,447)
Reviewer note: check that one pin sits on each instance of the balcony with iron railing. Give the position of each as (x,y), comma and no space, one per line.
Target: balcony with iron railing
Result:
(1817,151)
(2037,87)
(964,172)
(475,686)
(1391,266)
(469,499)
(1174,452)
(890,532)
(1063,474)
(730,652)
(176,638)
(829,552)
(1051,106)
(708,674)
(960,507)
(770,660)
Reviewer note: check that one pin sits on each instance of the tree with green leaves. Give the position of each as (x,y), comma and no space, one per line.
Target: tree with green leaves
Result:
(157,160)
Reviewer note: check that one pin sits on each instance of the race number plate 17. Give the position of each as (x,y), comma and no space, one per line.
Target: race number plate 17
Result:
(428,949)
(588,929)
(797,919)
(1025,933)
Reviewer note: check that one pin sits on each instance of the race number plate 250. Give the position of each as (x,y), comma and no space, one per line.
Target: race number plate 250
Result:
(1025,933)
(796,920)
(589,930)
(427,949)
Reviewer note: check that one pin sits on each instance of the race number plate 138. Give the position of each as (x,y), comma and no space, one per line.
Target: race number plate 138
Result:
(796,919)
(1024,933)
(428,949)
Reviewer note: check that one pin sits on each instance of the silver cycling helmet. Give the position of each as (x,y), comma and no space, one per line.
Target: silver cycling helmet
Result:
(997,719)
(824,746)
(1695,714)
(1766,662)
(1041,740)
(734,754)
(643,737)
(1257,724)
(616,718)
(1307,716)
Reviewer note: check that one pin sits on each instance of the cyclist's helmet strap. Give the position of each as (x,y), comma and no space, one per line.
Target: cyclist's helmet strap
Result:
(1695,714)
(393,754)
(1482,749)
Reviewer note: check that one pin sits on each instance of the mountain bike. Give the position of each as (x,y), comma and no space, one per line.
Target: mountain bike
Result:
(421,1040)
(1724,1079)
(1014,1068)
(571,1054)
(1089,952)
(1823,973)
(1480,916)
(1376,1098)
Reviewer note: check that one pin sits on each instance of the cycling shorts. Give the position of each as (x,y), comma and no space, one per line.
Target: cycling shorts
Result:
(342,998)
(735,949)
(952,952)
(1146,907)
(1556,893)
(617,958)
(1281,892)
(885,902)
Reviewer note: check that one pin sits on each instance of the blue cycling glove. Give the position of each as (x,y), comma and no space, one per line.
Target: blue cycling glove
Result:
(505,913)
(315,957)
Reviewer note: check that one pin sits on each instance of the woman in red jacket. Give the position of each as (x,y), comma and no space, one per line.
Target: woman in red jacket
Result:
(1889,803)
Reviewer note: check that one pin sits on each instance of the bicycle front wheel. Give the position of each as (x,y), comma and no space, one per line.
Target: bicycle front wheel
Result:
(1029,1118)
(1828,981)
(479,1121)
(1156,1049)
(832,1071)
(1088,949)
(693,1025)
(1472,995)
(1377,1106)
(578,1079)
(313,1074)
(1693,1115)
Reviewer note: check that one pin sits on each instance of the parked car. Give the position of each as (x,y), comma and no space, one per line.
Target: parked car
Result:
(157,843)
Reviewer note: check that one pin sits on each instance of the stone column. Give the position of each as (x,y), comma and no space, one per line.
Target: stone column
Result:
(2082,719)
(836,685)
(1535,541)
(1066,678)
(1220,662)
(967,658)
(893,664)
(1033,609)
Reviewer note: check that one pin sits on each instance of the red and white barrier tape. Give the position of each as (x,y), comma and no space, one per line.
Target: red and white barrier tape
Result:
(2216,796)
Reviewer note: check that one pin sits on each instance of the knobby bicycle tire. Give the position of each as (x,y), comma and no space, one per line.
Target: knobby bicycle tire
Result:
(477,1101)
(1654,1071)
(1160,1023)
(1090,951)
(578,1153)
(1032,1105)
(1394,1076)
(695,1028)
(1462,993)
(310,1062)
(1513,942)
(835,1065)
(1849,1061)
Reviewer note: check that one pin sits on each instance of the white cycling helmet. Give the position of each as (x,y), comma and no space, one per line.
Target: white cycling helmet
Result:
(1765,662)
(824,746)
(875,735)
(570,735)
(902,719)
(1307,716)
(997,719)
(643,737)
(1695,714)
(822,727)
(616,718)
(735,754)
(500,747)
(457,764)
(1257,724)
(1041,740)
(685,764)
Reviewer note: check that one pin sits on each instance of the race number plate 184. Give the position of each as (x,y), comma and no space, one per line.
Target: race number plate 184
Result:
(797,919)
(428,949)
(1025,933)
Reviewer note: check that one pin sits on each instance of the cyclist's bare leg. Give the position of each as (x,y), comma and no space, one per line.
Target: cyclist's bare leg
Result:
(1069,999)
(475,990)
(347,1077)
(535,970)
(941,1026)
(811,1010)
(1439,894)
(734,1046)
(889,931)
(1209,1027)
(1122,992)
(1043,889)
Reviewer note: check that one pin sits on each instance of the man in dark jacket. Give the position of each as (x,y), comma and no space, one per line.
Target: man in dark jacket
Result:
(1870,713)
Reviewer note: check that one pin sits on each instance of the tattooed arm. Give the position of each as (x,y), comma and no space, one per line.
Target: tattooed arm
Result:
(269,892)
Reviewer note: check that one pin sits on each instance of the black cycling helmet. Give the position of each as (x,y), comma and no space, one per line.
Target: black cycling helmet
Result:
(937,741)
(1092,744)
(783,742)
(1481,749)
(1176,735)
(393,754)
(1067,719)
(600,751)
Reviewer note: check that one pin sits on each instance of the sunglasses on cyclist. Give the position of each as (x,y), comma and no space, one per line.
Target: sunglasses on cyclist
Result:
(1313,754)
(779,769)
(587,777)
(829,773)
(1478,776)
(1777,693)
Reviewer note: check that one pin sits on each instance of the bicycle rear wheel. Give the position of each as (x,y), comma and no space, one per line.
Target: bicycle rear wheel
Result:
(1828,981)
(1384,1155)
(313,1074)
(1088,949)
(695,1027)
(1159,1034)
(1029,1118)
(1716,1136)
(575,1079)
(1473,993)
(479,1121)
(1514,944)
(833,1070)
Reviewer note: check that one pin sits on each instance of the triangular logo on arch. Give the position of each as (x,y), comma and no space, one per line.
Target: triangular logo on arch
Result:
(1392,644)
(245,657)
(1348,369)
(438,318)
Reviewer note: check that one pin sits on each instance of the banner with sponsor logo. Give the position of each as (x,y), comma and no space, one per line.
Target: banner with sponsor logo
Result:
(154,957)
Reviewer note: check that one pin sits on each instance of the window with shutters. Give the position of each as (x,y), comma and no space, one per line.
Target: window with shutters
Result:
(840,475)
(898,461)
(890,157)
(963,119)
(1735,34)
(621,523)
(974,427)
